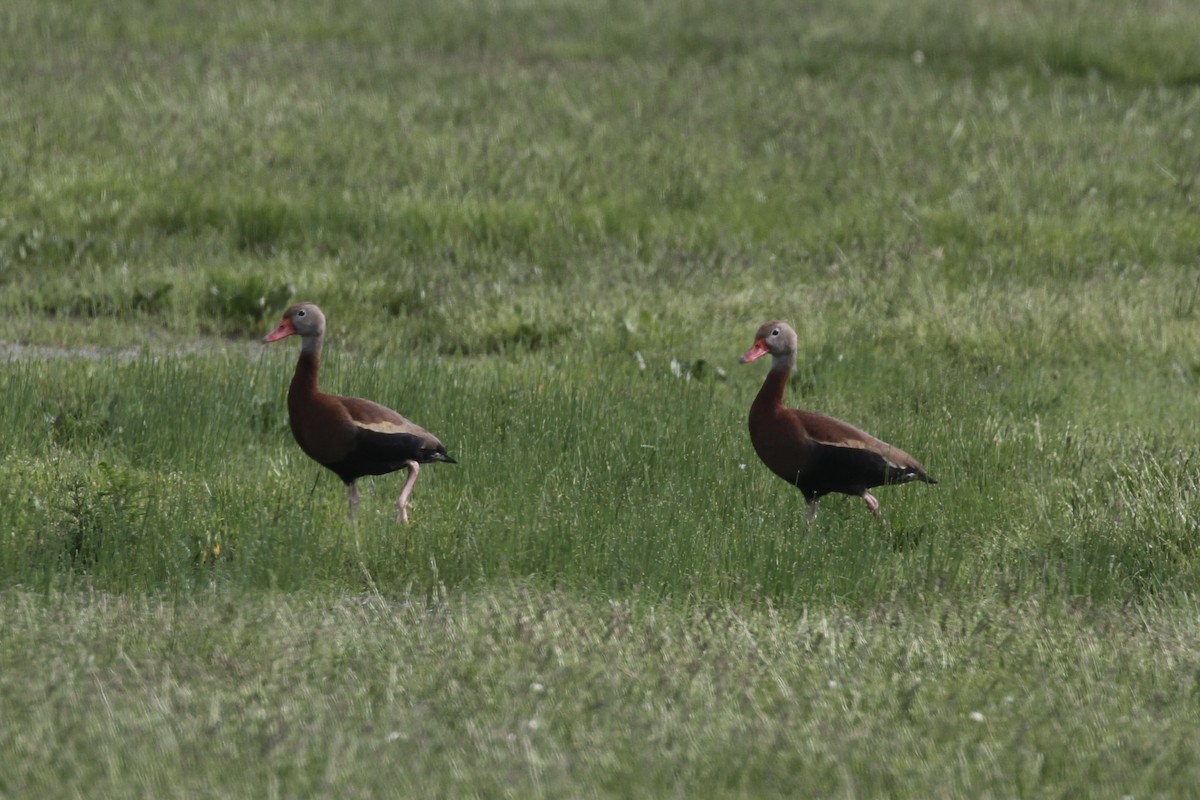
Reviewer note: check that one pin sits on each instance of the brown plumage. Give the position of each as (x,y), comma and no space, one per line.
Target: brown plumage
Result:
(817,453)
(349,435)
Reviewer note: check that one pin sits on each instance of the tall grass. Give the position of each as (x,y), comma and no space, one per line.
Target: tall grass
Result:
(591,472)
(545,231)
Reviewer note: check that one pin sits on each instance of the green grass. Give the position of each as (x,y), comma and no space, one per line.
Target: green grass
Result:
(546,231)
(539,692)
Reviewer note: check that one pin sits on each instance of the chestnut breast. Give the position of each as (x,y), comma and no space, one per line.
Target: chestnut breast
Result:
(781,442)
(323,428)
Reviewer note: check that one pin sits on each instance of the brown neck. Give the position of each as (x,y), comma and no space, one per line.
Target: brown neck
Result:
(770,396)
(304,381)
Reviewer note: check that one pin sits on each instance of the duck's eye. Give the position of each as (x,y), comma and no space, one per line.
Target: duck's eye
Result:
(301,313)
(775,332)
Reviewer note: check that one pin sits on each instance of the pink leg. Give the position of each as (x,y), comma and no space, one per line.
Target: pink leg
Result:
(402,504)
(353,499)
(873,504)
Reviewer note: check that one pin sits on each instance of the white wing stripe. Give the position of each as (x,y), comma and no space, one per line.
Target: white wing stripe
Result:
(384,427)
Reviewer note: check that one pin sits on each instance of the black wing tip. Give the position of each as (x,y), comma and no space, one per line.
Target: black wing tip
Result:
(908,475)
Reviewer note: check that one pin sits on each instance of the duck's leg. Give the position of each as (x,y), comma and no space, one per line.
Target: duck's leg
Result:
(353,499)
(414,469)
(873,504)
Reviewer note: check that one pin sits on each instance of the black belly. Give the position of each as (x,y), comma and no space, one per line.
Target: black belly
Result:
(845,470)
(377,453)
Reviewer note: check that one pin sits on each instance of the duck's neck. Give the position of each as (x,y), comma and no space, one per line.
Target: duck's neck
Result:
(304,381)
(770,396)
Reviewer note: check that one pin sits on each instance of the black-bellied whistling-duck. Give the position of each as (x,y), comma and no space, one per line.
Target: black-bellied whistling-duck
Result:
(816,453)
(349,435)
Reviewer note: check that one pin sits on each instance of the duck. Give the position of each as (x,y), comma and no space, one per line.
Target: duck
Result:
(350,436)
(817,453)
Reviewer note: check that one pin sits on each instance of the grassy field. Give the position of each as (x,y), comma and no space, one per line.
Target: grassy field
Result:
(546,230)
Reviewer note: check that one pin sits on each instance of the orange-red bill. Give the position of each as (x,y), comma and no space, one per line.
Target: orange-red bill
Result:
(285,329)
(757,351)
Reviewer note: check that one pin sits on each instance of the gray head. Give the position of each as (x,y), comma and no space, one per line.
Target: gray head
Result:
(304,320)
(776,338)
